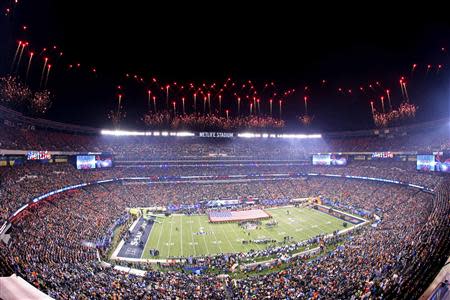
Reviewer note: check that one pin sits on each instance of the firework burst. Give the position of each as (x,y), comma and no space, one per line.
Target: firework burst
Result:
(41,102)
(13,92)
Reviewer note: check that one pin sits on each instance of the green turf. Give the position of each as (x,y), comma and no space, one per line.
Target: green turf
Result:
(302,223)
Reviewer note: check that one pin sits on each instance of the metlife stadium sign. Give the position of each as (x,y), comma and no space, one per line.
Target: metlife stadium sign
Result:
(216,134)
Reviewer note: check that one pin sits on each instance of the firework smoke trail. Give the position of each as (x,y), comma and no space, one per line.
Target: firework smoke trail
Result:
(29,65)
(43,71)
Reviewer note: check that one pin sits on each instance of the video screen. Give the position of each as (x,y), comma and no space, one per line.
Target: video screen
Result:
(38,155)
(329,160)
(99,161)
(426,162)
(85,162)
(438,162)
(442,162)
(338,160)
(103,161)
(321,159)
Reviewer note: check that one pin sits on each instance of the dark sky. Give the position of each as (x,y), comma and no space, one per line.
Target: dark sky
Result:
(293,46)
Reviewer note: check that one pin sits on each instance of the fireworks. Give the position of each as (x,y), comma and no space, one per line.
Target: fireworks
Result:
(306,120)
(43,71)
(41,102)
(221,99)
(29,65)
(116,116)
(14,92)
(405,111)
(168,120)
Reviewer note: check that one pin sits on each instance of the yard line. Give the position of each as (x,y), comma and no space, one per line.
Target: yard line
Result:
(209,225)
(239,234)
(181,237)
(278,217)
(299,214)
(309,222)
(148,239)
(226,236)
(170,237)
(160,233)
(192,235)
(269,234)
(318,216)
(204,239)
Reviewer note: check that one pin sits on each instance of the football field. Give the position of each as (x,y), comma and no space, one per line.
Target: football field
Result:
(183,236)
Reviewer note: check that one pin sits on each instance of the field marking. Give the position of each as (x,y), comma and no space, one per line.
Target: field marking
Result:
(308,215)
(300,213)
(318,221)
(181,237)
(271,236)
(245,247)
(160,233)
(298,224)
(313,225)
(209,225)
(232,247)
(170,237)
(148,239)
(192,237)
(204,238)
(318,215)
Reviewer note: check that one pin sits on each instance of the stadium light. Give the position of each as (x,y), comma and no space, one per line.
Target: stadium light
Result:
(282,136)
(299,136)
(122,133)
(191,134)
(185,133)
(248,135)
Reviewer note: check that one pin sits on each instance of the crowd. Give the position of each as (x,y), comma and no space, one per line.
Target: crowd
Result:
(53,245)
(53,248)
(177,148)
(20,184)
(388,261)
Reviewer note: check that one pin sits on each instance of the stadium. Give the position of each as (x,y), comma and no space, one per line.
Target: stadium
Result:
(202,198)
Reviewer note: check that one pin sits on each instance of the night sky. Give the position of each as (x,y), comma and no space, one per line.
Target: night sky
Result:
(294,47)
